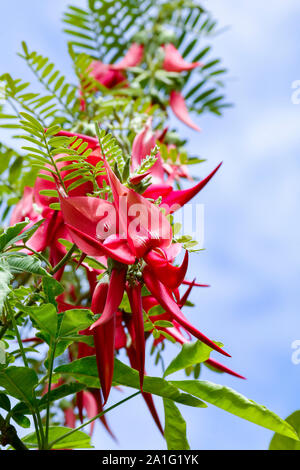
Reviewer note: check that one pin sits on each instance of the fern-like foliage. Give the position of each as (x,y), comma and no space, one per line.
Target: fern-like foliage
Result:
(105,28)
(46,151)
(63,93)
(111,151)
(15,174)
(58,105)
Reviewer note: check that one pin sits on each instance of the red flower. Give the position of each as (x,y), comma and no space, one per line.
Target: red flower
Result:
(174,62)
(142,232)
(180,110)
(111,75)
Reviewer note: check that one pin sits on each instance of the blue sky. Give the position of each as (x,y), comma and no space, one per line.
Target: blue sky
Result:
(252,257)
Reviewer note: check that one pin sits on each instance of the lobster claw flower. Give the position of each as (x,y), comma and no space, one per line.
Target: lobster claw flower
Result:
(83,217)
(174,62)
(180,110)
(143,223)
(132,58)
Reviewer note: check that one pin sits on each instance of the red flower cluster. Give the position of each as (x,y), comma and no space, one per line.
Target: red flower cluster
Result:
(130,234)
(111,75)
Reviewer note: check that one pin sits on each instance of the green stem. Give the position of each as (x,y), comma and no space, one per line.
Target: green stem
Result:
(50,369)
(53,163)
(92,419)
(64,260)
(39,255)
(35,414)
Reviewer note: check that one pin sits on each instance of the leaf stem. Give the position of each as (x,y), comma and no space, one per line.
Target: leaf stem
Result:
(50,369)
(64,260)
(35,413)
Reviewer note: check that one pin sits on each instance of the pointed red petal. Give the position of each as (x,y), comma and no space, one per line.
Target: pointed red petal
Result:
(147,396)
(94,247)
(222,368)
(135,299)
(70,418)
(156,190)
(103,419)
(174,62)
(184,298)
(180,110)
(114,297)
(176,199)
(91,407)
(99,297)
(79,403)
(142,145)
(160,292)
(132,58)
(138,178)
(189,283)
(150,403)
(104,339)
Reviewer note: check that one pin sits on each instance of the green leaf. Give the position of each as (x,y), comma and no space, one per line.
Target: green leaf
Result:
(280,442)
(5,278)
(190,354)
(25,264)
(229,400)
(56,394)
(85,371)
(19,382)
(52,288)
(26,234)
(74,321)
(21,420)
(61,392)
(2,353)
(175,427)
(10,233)
(45,317)
(4,402)
(77,440)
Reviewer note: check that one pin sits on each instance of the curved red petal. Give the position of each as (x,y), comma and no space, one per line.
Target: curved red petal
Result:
(180,110)
(114,297)
(135,300)
(223,368)
(132,58)
(176,199)
(171,276)
(174,62)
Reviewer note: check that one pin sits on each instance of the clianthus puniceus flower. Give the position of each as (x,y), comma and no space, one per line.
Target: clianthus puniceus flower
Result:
(109,231)
(111,75)
(134,233)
